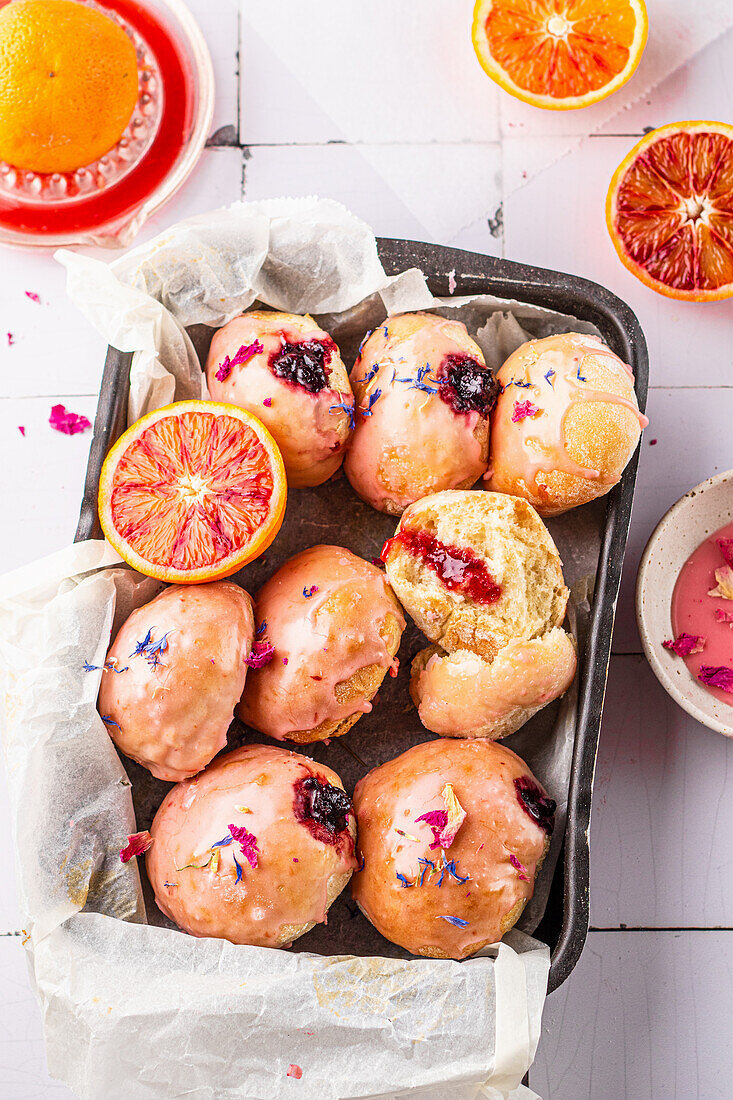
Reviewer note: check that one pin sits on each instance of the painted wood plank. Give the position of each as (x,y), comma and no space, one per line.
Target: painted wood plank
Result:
(644,1016)
(662,811)
(23,1072)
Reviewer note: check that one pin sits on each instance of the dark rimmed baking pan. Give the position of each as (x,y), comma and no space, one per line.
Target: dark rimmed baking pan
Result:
(565,923)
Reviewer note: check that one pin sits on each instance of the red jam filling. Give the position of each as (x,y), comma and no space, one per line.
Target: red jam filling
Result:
(458,567)
(304,364)
(466,385)
(535,802)
(322,808)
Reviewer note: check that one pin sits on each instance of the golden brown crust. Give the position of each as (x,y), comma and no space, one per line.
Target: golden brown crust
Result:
(361,686)
(509,536)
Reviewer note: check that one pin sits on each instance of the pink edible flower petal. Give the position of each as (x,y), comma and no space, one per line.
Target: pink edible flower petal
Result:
(445,823)
(267,402)
(719,677)
(137,843)
(685,644)
(33,296)
(246,841)
(437,820)
(295,1071)
(261,655)
(724,587)
(523,409)
(519,867)
(11,339)
(723,616)
(245,353)
(726,549)
(68,423)
(21,429)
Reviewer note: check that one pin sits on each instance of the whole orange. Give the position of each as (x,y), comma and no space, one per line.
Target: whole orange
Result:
(68,84)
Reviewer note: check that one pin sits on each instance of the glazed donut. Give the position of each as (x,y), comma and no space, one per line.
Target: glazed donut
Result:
(288,372)
(423,394)
(183,656)
(566,423)
(476,570)
(330,626)
(255,849)
(451,834)
(461,695)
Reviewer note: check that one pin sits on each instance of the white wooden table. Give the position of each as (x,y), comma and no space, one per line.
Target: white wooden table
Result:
(646,1013)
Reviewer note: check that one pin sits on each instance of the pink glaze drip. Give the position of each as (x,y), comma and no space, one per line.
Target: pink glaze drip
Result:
(326,638)
(311,428)
(693,611)
(537,444)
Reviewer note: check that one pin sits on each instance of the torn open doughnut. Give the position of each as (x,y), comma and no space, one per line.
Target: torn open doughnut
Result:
(460,694)
(423,396)
(255,849)
(451,836)
(328,629)
(565,424)
(288,372)
(476,570)
(174,674)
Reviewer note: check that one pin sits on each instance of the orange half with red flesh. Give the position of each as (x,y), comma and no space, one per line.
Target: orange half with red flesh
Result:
(669,210)
(192,492)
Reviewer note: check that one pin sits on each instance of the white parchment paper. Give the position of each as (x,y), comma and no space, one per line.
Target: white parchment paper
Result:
(132,1009)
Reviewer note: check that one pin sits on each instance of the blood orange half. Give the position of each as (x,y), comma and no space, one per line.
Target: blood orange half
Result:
(559,54)
(670,210)
(192,492)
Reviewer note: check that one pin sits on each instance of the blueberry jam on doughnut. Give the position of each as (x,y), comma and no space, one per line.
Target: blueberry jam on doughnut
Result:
(458,567)
(466,385)
(322,808)
(304,364)
(539,807)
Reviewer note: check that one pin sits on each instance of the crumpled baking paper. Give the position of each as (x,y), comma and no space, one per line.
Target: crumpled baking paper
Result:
(136,1009)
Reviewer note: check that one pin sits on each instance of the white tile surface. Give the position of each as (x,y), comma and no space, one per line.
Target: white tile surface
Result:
(644,1016)
(401,190)
(41,500)
(219,22)
(404,73)
(557,220)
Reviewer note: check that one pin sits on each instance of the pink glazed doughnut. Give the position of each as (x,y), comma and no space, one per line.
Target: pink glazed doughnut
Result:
(460,694)
(288,372)
(565,424)
(184,660)
(423,394)
(255,849)
(451,834)
(335,626)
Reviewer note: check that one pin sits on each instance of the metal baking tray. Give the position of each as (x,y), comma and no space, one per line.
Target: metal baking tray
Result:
(564,925)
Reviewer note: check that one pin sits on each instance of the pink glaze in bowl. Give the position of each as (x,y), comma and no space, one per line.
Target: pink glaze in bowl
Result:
(696,516)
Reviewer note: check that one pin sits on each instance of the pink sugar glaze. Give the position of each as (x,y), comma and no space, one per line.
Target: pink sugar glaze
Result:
(693,611)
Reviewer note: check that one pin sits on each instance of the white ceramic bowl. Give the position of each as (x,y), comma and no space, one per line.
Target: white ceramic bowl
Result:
(698,514)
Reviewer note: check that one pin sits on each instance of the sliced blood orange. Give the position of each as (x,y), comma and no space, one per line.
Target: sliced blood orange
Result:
(670,210)
(559,54)
(192,492)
